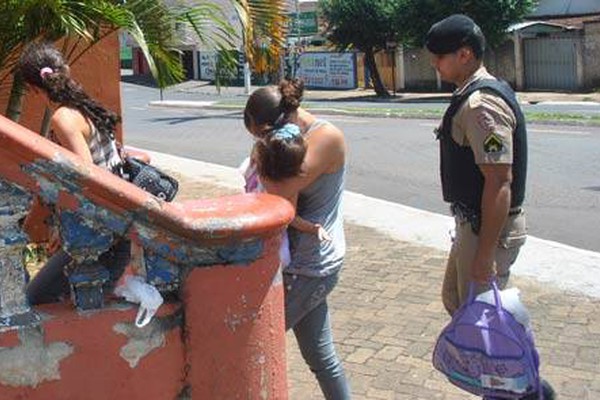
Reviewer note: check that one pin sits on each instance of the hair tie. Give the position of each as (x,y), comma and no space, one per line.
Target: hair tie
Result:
(287,132)
(45,72)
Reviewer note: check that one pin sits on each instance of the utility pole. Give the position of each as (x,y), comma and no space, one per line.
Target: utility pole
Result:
(247,72)
(295,49)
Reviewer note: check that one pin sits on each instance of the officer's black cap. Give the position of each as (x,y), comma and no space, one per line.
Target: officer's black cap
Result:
(454,32)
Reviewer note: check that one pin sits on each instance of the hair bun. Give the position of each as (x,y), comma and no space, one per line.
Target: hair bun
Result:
(292,92)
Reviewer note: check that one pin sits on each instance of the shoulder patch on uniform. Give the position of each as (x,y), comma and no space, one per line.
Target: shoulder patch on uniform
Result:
(485,121)
(493,144)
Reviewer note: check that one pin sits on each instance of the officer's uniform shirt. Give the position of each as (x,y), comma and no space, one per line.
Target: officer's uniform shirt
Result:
(486,123)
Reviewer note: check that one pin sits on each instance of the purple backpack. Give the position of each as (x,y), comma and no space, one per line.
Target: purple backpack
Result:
(485,351)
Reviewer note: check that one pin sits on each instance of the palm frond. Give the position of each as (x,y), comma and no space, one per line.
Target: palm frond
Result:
(264,26)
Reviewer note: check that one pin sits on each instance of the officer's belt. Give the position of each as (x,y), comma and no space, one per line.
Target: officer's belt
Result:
(465,213)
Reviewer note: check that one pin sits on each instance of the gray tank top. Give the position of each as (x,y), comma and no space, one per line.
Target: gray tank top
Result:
(321,202)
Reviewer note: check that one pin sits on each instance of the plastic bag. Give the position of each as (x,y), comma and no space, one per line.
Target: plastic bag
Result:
(484,350)
(511,302)
(135,290)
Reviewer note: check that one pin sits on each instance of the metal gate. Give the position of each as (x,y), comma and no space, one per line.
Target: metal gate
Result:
(551,62)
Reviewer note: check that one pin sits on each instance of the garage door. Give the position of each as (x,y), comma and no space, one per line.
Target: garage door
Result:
(551,63)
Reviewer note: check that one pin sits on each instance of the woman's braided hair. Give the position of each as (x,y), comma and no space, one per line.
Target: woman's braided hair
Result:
(43,66)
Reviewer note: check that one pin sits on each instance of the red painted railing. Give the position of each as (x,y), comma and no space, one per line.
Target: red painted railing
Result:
(220,337)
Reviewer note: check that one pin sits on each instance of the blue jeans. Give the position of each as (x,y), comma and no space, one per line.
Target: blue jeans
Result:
(306,312)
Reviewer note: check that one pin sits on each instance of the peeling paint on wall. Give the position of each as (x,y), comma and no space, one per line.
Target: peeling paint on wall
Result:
(14,205)
(142,341)
(184,252)
(233,320)
(12,283)
(67,180)
(83,235)
(264,377)
(32,362)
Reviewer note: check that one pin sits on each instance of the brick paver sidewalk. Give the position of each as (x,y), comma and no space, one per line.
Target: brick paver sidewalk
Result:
(387,313)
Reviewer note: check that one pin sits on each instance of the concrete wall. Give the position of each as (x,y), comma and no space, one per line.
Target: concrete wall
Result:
(501,62)
(591,55)
(419,75)
(99,73)
(418,72)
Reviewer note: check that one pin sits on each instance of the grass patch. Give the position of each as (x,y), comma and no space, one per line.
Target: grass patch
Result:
(563,118)
(34,258)
(412,113)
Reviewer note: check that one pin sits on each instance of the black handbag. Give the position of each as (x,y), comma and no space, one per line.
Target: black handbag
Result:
(150,178)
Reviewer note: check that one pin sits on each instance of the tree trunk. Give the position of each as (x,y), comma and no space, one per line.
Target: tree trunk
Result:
(380,90)
(15,102)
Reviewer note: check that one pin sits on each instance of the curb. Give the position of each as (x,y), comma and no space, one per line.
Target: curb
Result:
(566,267)
(181,104)
(408,114)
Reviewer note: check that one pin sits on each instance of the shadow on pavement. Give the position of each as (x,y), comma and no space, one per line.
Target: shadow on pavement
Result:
(142,80)
(399,98)
(592,188)
(183,120)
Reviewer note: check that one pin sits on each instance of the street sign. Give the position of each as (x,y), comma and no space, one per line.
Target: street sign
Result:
(303,24)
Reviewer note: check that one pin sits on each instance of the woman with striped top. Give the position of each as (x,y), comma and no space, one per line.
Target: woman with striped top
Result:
(83,126)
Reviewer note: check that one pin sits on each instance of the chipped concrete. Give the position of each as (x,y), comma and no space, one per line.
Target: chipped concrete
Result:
(142,341)
(234,320)
(264,378)
(32,362)
(14,205)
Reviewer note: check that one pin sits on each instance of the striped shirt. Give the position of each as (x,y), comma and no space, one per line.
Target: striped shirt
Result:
(104,150)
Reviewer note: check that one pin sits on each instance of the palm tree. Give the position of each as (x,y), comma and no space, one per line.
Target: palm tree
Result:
(152,23)
(82,24)
(264,30)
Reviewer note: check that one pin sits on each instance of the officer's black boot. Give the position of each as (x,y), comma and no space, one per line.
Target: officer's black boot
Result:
(547,391)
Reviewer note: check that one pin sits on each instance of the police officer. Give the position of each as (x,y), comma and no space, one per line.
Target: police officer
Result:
(483,150)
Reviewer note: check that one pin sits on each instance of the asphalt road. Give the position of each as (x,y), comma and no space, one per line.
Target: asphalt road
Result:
(396,160)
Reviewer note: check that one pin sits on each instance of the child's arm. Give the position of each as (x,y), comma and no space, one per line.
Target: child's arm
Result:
(308,227)
(297,223)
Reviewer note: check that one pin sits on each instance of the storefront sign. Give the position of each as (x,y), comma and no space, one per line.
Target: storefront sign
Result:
(328,70)
(207,65)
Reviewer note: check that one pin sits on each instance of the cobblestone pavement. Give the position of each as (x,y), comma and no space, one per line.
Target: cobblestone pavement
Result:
(386,314)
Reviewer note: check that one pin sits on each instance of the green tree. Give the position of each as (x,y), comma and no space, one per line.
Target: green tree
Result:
(82,24)
(365,25)
(415,17)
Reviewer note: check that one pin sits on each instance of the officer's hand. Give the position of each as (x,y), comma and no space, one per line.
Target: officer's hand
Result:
(322,234)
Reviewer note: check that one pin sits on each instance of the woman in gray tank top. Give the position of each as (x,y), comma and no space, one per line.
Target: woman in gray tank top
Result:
(317,195)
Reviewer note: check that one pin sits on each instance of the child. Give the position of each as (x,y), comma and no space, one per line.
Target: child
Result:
(278,156)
